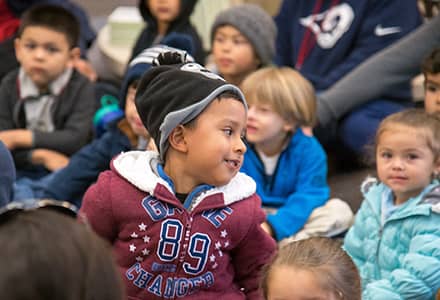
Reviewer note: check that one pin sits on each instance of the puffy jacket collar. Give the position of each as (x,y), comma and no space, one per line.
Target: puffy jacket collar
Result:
(373,189)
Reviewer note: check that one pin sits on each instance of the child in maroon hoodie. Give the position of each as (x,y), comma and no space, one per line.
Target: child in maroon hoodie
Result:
(184,223)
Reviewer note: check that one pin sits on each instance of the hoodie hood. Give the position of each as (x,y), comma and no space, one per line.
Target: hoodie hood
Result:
(186,9)
(140,168)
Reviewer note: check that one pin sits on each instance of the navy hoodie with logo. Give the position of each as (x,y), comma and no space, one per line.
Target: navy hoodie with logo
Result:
(326,39)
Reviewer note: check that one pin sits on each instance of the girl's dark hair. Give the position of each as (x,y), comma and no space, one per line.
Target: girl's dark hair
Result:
(325,258)
(431,63)
(47,255)
(55,18)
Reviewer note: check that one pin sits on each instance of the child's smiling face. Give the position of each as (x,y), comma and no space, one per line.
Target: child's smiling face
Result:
(214,145)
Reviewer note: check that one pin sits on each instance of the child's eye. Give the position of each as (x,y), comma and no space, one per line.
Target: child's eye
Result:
(432,88)
(386,155)
(52,49)
(239,41)
(412,156)
(219,39)
(228,131)
(30,46)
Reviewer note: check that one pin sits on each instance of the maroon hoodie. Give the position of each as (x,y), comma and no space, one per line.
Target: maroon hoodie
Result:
(212,249)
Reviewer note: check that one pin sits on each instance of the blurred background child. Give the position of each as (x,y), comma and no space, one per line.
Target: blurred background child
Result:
(164,17)
(396,235)
(242,40)
(313,268)
(47,107)
(431,72)
(123,134)
(289,167)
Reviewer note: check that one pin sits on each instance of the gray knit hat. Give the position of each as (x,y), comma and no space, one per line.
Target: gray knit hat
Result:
(255,24)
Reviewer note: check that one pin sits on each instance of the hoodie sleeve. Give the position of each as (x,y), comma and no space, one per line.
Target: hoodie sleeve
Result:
(254,251)
(97,210)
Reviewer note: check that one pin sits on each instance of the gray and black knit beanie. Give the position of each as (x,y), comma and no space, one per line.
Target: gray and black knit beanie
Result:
(169,95)
(255,24)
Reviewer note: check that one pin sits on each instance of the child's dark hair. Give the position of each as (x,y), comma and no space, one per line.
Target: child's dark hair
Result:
(324,257)
(53,17)
(431,63)
(58,257)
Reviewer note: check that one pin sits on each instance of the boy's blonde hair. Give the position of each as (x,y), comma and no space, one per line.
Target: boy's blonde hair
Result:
(285,90)
(427,125)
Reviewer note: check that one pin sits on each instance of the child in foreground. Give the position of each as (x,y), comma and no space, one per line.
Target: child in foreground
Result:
(184,223)
(314,268)
(395,239)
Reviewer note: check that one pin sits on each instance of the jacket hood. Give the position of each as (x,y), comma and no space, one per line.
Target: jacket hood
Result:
(186,9)
(140,169)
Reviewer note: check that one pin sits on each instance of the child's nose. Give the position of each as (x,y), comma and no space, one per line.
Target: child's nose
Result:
(251,112)
(240,146)
(397,164)
(39,53)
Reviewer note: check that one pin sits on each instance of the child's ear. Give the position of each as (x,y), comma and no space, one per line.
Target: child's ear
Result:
(176,139)
(289,126)
(17,49)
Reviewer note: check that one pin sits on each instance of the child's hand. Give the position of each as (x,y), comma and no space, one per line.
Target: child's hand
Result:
(307,130)
(52,160)
(266,227)
(16,138)
(85,68)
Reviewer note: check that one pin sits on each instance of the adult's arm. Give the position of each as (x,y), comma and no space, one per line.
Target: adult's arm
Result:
(391,67)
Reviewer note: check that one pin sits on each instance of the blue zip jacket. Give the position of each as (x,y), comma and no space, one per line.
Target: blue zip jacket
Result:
(398,257)
(347,32)
(297,187)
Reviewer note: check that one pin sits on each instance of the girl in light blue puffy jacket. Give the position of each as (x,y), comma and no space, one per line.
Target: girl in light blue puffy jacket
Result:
(395,240)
